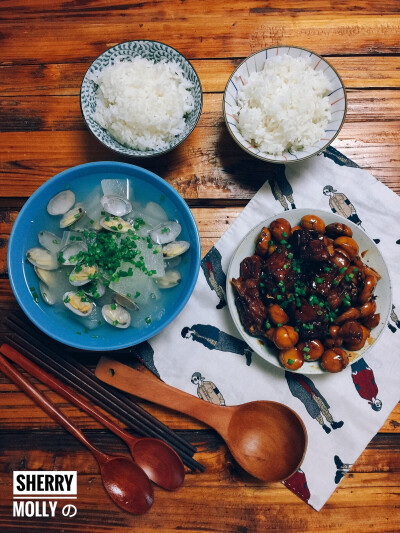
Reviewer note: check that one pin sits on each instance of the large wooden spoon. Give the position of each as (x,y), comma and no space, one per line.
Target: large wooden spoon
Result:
(160,462)
(266,438)
(126,483)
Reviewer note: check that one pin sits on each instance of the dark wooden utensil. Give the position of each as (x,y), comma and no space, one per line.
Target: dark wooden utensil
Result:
(126,483)
(266,438)
(160,462)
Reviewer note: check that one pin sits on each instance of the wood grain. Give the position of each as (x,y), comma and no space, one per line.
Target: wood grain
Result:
(47,46)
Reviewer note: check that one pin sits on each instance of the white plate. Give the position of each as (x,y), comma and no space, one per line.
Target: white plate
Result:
(372,258)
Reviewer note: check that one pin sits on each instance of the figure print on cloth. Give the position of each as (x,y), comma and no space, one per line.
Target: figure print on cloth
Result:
(342,469)
(215,276)
(214,339)
(145,353)
(317,407)
(395,319)
(297,483)
(207,390)
(338,158)
(364,381)
(340,204)
(281,188)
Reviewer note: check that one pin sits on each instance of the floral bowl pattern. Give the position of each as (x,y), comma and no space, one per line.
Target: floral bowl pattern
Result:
(126,51)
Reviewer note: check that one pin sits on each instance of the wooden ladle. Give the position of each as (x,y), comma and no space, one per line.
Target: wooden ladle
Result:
(126,483)
(266,438)
(160,462)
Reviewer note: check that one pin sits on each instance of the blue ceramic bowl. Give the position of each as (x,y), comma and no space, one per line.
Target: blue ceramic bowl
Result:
(34,217)
(153,51)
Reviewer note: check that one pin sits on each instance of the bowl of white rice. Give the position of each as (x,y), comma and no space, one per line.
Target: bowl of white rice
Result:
(284,104)
(141,98)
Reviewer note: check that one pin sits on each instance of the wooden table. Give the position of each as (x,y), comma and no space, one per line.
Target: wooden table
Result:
(46,47)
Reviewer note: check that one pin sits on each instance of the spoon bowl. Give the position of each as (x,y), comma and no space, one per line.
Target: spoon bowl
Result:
(126,483)
(160,462)
(258,433)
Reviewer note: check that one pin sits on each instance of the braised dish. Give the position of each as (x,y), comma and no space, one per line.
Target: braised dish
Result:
(307,291)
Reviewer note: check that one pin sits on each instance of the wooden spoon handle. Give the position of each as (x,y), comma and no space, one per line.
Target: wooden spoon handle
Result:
(63,390)
(47,406)
(129,380)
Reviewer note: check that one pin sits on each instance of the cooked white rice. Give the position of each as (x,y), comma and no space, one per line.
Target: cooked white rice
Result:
(284,106)
(143,104)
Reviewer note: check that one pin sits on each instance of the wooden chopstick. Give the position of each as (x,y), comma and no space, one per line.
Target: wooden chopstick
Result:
(75,374)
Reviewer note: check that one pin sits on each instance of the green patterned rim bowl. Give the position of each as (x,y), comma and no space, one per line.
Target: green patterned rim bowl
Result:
(255,63)
(126,52)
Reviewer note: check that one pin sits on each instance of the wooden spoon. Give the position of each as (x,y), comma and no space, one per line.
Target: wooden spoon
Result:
(126,483)
(160,462)
(266,438)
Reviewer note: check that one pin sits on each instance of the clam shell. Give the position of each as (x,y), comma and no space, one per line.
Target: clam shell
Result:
(125,302)
(116,224)
(72,216)
(118,317)
(73,302)
(50,241)
(77,279)
(175,248)
(172,278)
(70,252)
(94,287)
(46,294)
(41,258)
(116,205)
(61,203)
(48,277)
(166,232)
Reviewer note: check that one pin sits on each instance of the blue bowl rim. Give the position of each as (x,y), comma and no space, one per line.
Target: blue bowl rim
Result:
(13,262)
(143,155)
(289,162)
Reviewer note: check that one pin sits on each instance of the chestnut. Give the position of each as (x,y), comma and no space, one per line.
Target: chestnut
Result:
(263,242)
(368,309)
(277,314)
(336,229)
(369,285)
(312,350)
(348,244)
(312,222)
(285,337)
(372,321)
(291,358)
(334,360)
(280,229)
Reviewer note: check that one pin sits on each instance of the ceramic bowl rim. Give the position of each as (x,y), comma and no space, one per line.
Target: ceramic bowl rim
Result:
(289,161)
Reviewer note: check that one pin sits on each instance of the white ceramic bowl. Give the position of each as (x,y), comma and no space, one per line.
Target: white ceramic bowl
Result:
(255,63)
(372,258)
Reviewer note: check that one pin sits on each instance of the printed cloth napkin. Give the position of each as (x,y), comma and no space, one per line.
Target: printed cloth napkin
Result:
(202,353)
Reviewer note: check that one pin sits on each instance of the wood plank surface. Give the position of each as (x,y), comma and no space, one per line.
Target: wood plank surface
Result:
(46,48)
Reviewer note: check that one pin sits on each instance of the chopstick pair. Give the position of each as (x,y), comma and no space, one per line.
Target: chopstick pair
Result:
(28,340)
(153,468)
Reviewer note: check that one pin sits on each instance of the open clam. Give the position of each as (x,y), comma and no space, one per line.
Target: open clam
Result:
(41,258)
(95,289)
(175,248)
(166,232)
(78,303)
(72,216)
(115,224)
(50,241)
(116,205)
(172,278)
(116,315)
(82,274)
(61,203)
(70,254)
